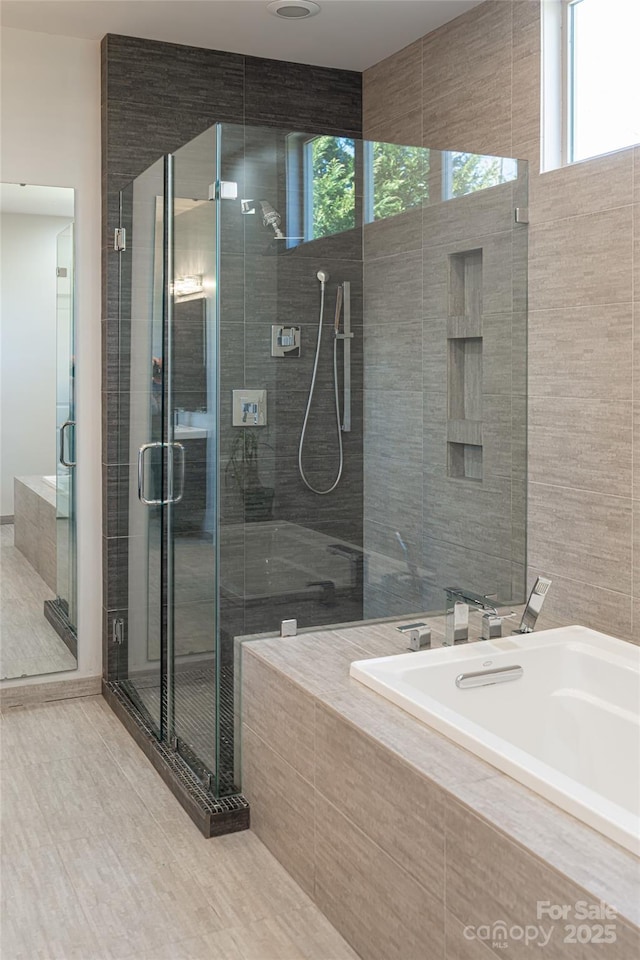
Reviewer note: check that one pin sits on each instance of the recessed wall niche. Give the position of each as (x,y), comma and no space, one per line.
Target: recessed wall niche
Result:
(464,366)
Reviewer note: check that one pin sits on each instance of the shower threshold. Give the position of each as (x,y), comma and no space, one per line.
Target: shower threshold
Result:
(214,816)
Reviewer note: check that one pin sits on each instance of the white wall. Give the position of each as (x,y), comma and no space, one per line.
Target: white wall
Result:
(50,135)
(28,348)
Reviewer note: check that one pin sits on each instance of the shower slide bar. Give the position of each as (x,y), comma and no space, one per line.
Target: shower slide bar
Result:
(347,336)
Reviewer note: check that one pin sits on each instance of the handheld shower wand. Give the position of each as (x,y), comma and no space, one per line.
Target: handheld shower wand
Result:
(323,277)
(336,322)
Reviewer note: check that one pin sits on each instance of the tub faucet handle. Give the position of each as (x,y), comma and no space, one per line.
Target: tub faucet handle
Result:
(457,624)
(491,626)
(418,635)
(458,603)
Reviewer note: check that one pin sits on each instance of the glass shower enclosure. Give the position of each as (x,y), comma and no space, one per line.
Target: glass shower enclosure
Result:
(322,384)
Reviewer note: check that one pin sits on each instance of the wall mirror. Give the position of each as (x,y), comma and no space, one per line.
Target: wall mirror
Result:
(38,602)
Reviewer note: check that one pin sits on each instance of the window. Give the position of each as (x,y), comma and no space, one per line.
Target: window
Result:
(603,76)
(591,78)
(322,182)
(330,186)
(396,179)
(465,173)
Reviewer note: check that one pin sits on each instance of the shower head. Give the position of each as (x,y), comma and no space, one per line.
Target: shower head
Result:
(270,216)
(322,276)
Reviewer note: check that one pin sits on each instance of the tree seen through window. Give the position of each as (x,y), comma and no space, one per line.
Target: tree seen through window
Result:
(397,180)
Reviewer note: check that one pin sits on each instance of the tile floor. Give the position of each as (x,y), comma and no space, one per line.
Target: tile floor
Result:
(30,645)
(99,861)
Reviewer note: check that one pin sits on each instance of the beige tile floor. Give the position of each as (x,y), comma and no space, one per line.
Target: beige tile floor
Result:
(99,861)
(29,645)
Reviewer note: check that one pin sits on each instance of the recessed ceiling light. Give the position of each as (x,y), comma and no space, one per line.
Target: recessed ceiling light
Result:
(293,9)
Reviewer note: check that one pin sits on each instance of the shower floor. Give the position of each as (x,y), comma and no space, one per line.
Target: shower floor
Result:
(270,571)
(195,713)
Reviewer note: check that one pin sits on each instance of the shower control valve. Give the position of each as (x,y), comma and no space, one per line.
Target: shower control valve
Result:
(249,412)
(285,341)
(249,408)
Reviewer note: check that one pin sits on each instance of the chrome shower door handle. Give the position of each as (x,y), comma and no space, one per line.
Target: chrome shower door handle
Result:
(183,459)
(156,445)
(141,473)
(61,456)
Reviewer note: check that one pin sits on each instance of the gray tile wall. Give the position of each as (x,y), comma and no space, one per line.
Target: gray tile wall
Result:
(283,289)
(462,525)
(156,97)
(584,283)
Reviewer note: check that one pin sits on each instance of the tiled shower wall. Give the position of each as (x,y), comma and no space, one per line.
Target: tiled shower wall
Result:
(267,284)
(475,84)
(155,98)
(445,399)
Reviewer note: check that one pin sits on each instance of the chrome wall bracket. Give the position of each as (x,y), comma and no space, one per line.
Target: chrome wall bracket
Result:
(119,239)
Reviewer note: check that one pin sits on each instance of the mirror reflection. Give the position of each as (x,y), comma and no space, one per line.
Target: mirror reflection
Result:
(37,446)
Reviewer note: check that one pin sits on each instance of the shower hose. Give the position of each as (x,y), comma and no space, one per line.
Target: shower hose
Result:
(323,278)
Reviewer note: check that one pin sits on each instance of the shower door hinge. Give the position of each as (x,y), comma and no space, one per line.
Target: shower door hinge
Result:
(117,630)
(223,190)
(119,239)
(522,214)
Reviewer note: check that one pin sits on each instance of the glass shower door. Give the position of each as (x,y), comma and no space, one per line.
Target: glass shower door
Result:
(65,423)
(142,415)
(192,406)
(168,394)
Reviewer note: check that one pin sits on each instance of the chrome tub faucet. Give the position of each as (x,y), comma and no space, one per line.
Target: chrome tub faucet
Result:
(457,620)
(459,601)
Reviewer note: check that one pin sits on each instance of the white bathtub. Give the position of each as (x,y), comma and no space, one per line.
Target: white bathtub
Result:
(568,728)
